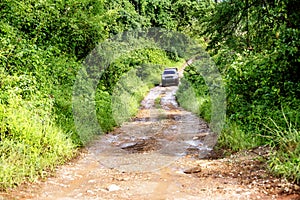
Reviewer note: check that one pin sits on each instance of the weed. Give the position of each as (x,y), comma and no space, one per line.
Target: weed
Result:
(285,160)
(157,103)
(235,139)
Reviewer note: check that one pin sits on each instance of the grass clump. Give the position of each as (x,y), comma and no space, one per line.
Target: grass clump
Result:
(285,159)
(233,138)
(157,103)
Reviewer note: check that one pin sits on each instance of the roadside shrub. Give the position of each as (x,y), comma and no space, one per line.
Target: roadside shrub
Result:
(234,138)
(104,111)
(193,92)
(186,97)
(30,142)
(127,95)
(285,141)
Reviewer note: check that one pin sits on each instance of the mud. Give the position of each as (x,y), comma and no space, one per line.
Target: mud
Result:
(159,134)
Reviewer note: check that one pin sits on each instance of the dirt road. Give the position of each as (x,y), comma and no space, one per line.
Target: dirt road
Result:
(160,154)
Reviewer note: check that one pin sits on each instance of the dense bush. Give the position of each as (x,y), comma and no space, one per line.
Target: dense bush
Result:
(30,141)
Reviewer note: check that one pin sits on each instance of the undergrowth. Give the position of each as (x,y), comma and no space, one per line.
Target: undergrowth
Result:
(285,143)
(30,142)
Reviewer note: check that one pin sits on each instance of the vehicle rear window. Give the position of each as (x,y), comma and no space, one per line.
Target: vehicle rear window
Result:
(169,72)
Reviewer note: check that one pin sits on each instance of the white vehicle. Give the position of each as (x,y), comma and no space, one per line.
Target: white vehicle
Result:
(170,77)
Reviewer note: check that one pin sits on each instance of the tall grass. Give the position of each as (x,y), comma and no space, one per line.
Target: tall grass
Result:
(285,141)
(30,143)
(233,138)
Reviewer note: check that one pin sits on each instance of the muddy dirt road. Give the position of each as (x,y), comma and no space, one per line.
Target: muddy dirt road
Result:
(155,156)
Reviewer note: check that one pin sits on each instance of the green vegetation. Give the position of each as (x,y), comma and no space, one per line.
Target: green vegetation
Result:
(157,103)
(42,47)
(255,45)
(285,160)
(30,140)
(44,44)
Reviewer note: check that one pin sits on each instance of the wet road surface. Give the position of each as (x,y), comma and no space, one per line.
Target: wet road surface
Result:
(161,133)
